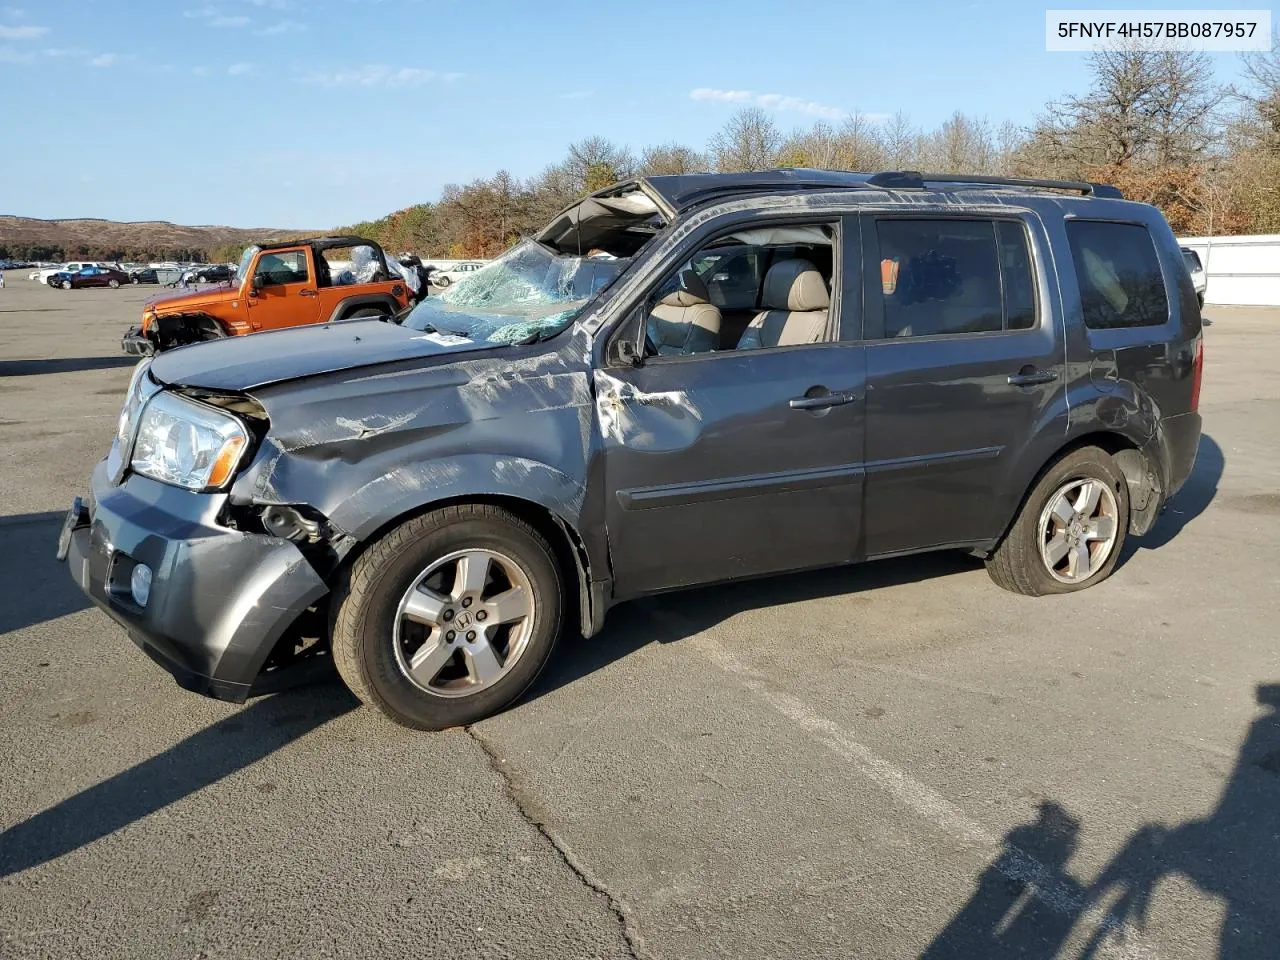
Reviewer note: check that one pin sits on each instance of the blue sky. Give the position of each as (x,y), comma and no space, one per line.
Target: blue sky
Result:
(319,113)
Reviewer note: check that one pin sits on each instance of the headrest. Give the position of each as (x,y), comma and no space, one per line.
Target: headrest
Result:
(795,285)
(692,290)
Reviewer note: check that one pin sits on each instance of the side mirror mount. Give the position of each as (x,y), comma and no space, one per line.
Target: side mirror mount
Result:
(629,354)
(255,284)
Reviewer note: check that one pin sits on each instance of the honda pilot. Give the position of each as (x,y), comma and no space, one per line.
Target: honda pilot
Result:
(680,380)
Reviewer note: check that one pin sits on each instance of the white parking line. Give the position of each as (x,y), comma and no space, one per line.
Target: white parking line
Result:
(1121,943)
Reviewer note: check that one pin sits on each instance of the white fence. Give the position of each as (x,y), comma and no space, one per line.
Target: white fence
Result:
(1240,270)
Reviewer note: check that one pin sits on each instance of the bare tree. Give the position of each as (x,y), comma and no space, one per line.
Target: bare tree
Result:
(748,141)
(1145,105)
(901,142)
(671,158)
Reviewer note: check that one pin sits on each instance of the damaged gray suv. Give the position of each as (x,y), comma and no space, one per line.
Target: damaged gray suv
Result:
(680,380)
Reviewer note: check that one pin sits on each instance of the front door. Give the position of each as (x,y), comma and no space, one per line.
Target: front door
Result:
(733,462)
(286,292)
(965,366)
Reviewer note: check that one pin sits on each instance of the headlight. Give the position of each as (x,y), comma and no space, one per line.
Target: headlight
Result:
(141,387)
(188,444)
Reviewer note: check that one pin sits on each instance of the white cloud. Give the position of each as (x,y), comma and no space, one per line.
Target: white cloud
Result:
(240,69)
(376,75)
(770,101)
(283,26)
(104,60)
(216,18)
(22,33)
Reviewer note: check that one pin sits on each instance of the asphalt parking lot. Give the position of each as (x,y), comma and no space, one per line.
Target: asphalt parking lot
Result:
(896,760)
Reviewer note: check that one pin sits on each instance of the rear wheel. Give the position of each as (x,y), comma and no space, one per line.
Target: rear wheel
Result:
(441,281)
(449,617)
(1070,530)
(133,280)
(367,313)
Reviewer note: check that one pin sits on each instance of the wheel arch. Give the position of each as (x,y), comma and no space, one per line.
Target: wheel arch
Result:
(1135,460)
(566,543)
(344,308)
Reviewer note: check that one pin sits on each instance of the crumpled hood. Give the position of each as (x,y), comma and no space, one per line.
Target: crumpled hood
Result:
(256,360)
(178,301)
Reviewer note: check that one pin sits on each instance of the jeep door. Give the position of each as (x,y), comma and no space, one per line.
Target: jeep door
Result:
(725,462)
(282,290)
(965,369)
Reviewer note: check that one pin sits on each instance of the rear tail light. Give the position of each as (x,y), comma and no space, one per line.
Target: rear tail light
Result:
(1197,375)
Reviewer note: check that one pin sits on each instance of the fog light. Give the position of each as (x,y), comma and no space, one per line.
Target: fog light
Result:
(140,584)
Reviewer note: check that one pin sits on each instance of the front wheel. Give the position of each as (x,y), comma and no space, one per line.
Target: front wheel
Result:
(114,284)
(1070,530)
(66,284)
(441,281)
(134,281)
(449,617)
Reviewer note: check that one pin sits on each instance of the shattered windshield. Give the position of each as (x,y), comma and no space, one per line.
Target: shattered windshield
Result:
(529,293)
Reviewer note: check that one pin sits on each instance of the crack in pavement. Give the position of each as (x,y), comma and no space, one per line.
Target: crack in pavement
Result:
(528,811)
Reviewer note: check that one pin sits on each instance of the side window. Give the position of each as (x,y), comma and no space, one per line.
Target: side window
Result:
(757,288)
(277,269)
(939,277)
(1016,276)
(1119,274)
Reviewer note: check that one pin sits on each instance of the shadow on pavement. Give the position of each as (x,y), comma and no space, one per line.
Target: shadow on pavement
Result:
(202,759)
(1026,904)
(676,616)
(31,368)
(37,587)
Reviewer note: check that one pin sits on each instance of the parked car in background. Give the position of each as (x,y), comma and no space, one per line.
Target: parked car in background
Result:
(215,273)
(277,285)
(144,275)
(89,277)
(459,271)
(1006,367)
(1199,280)
(75,266)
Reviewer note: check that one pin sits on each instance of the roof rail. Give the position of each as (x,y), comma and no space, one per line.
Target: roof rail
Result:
(914,180)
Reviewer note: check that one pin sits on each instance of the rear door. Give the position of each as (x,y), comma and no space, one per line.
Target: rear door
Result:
(965,366)
(284,292)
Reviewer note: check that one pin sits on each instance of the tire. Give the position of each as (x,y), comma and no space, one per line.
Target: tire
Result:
(113,284)
(1021,563)
(66,284)
(365,313)
(441,282)
(372,639)
(134,281)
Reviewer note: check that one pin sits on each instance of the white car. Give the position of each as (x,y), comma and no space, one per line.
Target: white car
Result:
(75,266)
(442,278)
(1199,279)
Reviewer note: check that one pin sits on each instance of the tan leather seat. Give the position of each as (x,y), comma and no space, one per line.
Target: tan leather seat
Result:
(683,321)
(795,304)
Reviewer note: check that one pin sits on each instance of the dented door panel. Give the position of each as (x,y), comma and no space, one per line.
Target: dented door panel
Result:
(712,474)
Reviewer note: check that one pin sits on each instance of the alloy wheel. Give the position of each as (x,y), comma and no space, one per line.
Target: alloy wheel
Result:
(1078,529)
(464,623)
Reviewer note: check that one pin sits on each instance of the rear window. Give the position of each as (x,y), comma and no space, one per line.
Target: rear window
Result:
(1118,273)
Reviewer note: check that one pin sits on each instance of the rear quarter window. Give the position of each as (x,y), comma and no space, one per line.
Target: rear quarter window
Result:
(1119,275)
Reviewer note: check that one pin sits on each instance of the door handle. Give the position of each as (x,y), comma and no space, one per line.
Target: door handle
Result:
(1029,376)
(821,402)
(308,293)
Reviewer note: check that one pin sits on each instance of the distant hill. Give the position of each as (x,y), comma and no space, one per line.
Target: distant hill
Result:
(28,237)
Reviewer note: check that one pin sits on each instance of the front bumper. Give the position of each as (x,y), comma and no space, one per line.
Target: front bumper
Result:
(219,599)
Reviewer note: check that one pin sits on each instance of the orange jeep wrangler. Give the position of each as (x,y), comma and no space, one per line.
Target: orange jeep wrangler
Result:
(277,285)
